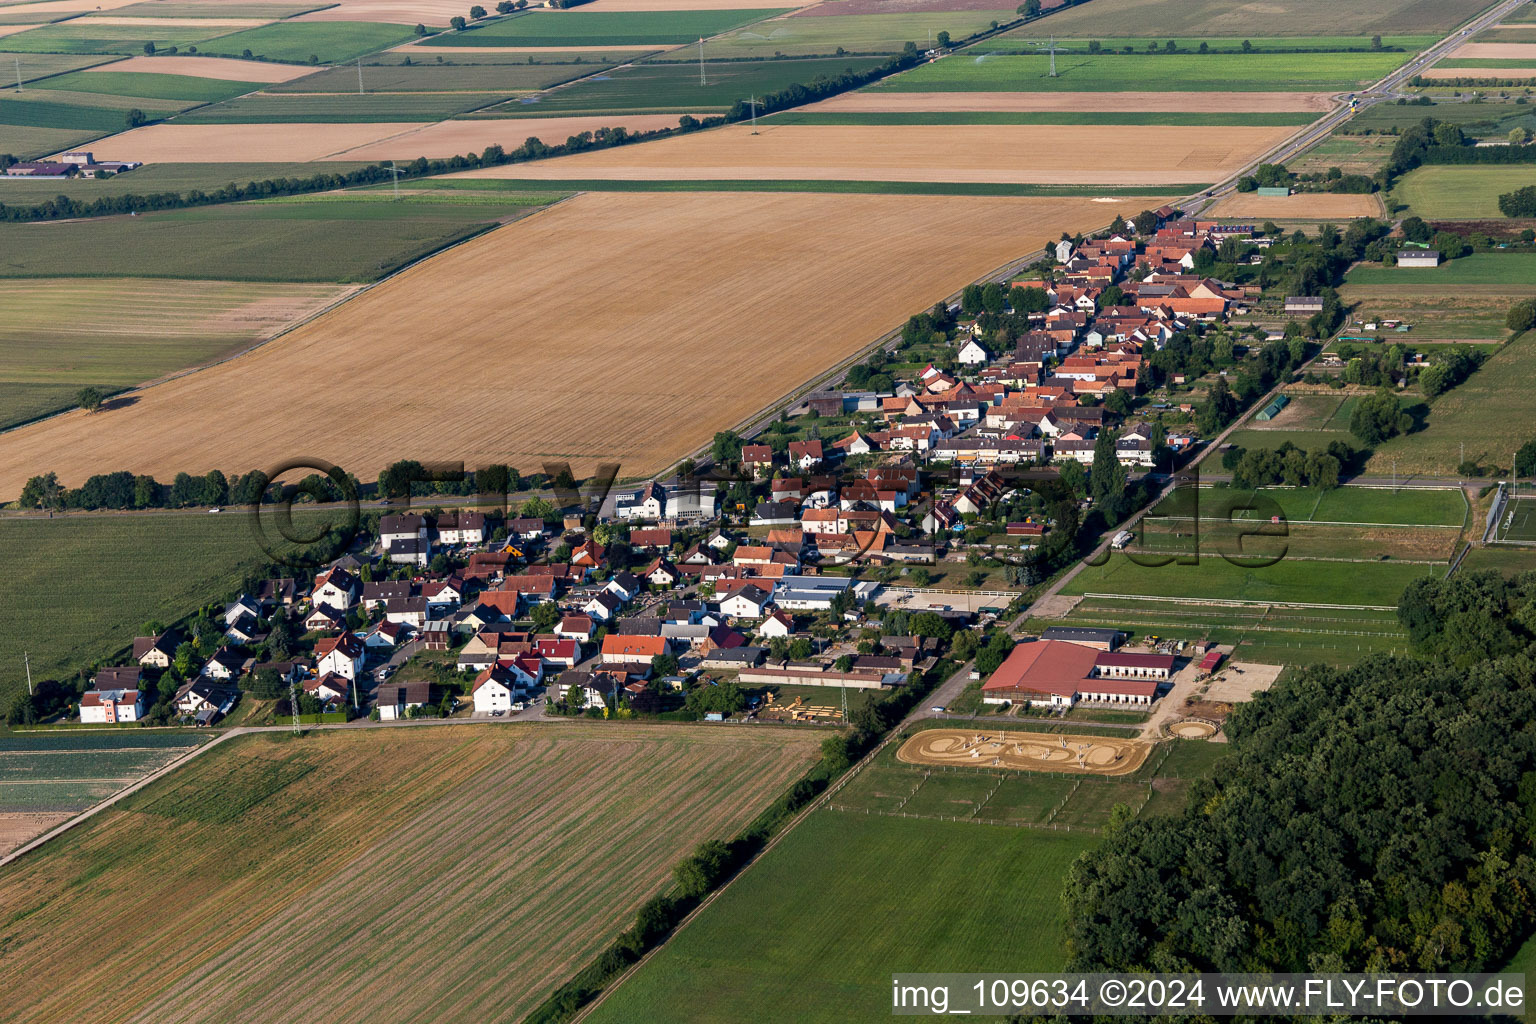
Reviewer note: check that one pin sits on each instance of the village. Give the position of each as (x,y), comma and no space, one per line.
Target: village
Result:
(797,568)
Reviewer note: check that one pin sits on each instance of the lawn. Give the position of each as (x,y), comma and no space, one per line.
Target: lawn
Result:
(601,28)
(354,239)
(1290,580)
(1489,416)
(1467,312)
(1214,119)
(154,86)
(1498,268)
(319,42)
(342,107)
(1195,19)
(855,33)
(675,87)
(1460,193)
(250,880)
(1082,72)
(816,928)
(1369,506)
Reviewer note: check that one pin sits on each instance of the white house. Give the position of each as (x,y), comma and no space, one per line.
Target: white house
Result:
(650,502)
(495,689)
(461,528)
(112,706)
(972,354)
(328,688)
(336,589)
(776,625)
(747,603)
(394,701)
(405,526)
(575,627)
(603,607)
(342,655)
(205,699)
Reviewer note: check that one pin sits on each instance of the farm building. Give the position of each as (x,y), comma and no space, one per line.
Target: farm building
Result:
(1102,639)
(1272,410)
(1303,305)
(1427,259)
(1058,674)
(1274,190)
(1210,661)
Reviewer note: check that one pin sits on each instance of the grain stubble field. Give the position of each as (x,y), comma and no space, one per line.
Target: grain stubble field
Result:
(374,875)
(701,309)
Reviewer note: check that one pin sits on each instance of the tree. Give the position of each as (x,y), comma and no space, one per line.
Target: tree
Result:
(477,12)
(1378,417)
(942,39)
(421,29)
(663,665)
(457,22)
(726,447)
(505,7)
(1247,46)
(1375,42)
(800,649)
(88,399)
(1029,8)
(1074,477)
(1146,222)
(43,491)
(1107,480)
(149,49)
(1519,203)
(1521,316)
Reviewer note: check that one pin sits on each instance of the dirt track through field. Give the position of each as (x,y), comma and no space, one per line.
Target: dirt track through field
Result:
(614,326)
(1024,102)
(451,138)
(1043,154)
(222,68)
(1305,205)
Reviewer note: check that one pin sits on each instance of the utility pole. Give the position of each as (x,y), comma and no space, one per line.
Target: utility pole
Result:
(753,101)
(293,705)
(18,74)
(701,60)
(359,76)
(28,658)
(395,173)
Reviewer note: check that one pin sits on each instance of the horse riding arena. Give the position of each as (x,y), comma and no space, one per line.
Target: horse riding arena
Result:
(611,327)
(1024,751)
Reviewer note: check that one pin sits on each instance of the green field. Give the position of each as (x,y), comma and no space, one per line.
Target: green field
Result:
(1484,268)
(1460,193)
(1490,414)
(64,772)
(80,36)
(325,41)
(845,900)
(456,77)
(916,188)
(41,65)
(1082,72)
(180,178)
(350,239)
(1159,19)
(675,87)
(1490,119)
(29,113)
(1467,312)
(1041,117)
(1290,580)
(342,108)
(617,28)
(855,33)
(27,143)
(1022,40)
(154,86)
(1352,154)
(77,589)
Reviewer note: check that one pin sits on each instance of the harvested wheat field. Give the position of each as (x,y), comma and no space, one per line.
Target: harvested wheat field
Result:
(1025,751)
(450,138)
(242,143)
(1036,154)
(10,30)
(390,12)
(1302,206)
(1441,74)
(684,5)
(1496,51)
(133,22)
(696,310)
(1026,102)
(67,6)
(20,827)
(379,875)
(222,68)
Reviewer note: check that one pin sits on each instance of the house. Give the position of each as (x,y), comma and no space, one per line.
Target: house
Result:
(972,354)
(395,701)
(334,588)
(494,690)
(653,538)
(329,688)
(440,594)
(805,455)
(154,651)
(561,652)
(627,650)
(1423,258)
(461,528)
(385,636)
(279,593)
(588,555)
(747,603)
(575,627)
(408,611)
(526,528)
(650,502)
(113,704)
(817,593)
(776,625)
(225,664)
(588,684)
(205,700)
(409,551)
(603,606)
(733,659)
(324,619)
(401,527)
(377,595)
(662,573)
(757,459)
(242,607)
(434,635)
(343,655)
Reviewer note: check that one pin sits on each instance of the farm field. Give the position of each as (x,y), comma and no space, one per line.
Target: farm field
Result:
(28,143)
(81,36)
(41,65)
(456,77)
(167,177)
(47,778)
(682,272)
(243,143)
(306,110)
(1101,117)
(1352,154)
(1469,312)
(1006,153)
(1459,193)
(1305,439)
(435,13)
(152,85)
(62,334)
(1371,506)
(383,853)
(1485,120)
(1159,19)
(1266,634)
(326,42)
(675,87)
(811,910)
(1479,69)
(1483,268)
(70,619)
(1489,412)
(1290,580)
(202,9)
(343,239)
(450,138)
(797,35)
(1019,41)
(865,101)
(47,115)
(1301,206)
(1082,72)
(595,28)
